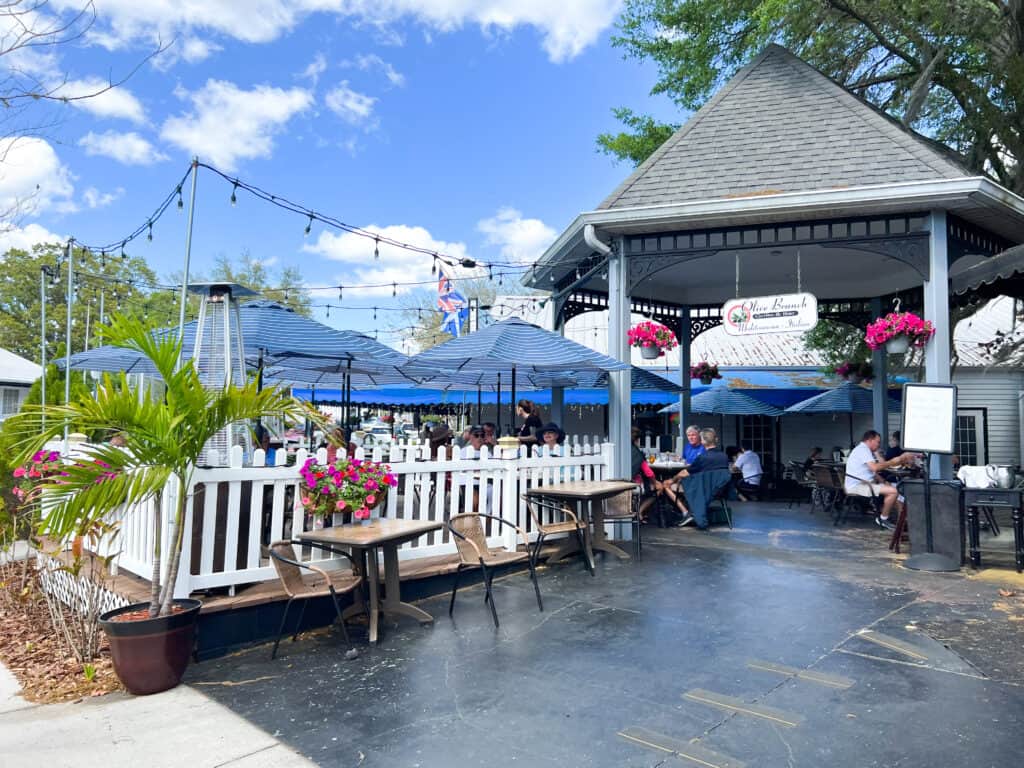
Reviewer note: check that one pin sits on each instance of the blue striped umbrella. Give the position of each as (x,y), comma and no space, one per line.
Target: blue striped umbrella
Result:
(727,402)
(846,398)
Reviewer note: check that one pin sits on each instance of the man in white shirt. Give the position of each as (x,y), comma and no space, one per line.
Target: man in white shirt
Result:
(861,467)
(749,463)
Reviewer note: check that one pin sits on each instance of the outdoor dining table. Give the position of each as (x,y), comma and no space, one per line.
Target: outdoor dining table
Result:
(364,541)
(583,493)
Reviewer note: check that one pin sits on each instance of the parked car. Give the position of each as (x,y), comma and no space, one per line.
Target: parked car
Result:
(379,435)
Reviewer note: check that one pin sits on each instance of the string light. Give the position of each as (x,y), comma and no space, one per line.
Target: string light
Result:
(376,248)
(181,203)
(394,289)
(234,197)
(149,234)
(433,266)
(340,297)
(123,254)
(309,226)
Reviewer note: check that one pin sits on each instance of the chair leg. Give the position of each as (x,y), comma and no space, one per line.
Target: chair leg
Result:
(536,588)
(489,597)
(298,626)
(583,551)
(455,588)
(341,619)
(280,629)
(535,557)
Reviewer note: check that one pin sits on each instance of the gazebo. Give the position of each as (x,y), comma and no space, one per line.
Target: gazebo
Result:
(784,182)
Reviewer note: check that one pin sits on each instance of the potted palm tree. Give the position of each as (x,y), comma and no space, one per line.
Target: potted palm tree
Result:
(150,642)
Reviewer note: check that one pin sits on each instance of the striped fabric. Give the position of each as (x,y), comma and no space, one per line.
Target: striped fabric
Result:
(846,398)
(729,402)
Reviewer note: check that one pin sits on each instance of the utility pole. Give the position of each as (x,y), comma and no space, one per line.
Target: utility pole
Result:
(474,315)
(188,250)
(67,335)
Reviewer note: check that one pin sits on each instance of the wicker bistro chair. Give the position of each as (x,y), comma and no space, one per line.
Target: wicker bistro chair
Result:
(625,508)
(563,520)
(289,569)
(467,532)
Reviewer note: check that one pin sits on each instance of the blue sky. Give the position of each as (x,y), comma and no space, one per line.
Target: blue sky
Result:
(466,127)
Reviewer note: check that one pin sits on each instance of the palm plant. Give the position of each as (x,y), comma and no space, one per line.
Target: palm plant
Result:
(164,438)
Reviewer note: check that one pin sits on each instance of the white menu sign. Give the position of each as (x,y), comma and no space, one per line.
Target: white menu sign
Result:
(929,417)
(770,314)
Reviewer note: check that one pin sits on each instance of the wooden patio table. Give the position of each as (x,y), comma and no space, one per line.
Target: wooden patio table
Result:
(364,541)
(584,493)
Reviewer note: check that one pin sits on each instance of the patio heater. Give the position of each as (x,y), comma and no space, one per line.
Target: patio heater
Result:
(218,353)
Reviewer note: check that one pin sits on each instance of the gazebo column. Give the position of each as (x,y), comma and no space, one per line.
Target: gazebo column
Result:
(880,387)
(619,394)
(685,335)
(936,309)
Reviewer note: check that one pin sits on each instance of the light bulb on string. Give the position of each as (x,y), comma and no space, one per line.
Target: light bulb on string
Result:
(103,259)
(433,266)
(234,197)
(309,226)
(123,254)
(394,289)
(375,314)
(340,297)
(181,203)
(376,248)
(328,310)
(285,295)
(149,233)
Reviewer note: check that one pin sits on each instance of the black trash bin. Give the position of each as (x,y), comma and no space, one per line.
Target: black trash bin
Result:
(948,529)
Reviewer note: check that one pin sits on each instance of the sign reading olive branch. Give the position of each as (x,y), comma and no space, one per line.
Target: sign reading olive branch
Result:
(770,314)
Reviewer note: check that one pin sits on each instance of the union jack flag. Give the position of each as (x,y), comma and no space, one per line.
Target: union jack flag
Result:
(451,304)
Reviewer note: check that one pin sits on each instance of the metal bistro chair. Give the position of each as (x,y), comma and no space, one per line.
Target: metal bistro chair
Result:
(467,532)
(869,504)
(563,520)
(623,508)
(289,568)
(829,489)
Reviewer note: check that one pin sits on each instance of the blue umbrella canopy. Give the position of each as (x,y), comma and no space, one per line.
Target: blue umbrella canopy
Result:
(507,345)
(727,402)
(846,398)
(281,335)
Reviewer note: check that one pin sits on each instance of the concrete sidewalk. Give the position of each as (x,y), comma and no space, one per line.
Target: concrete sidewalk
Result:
(181,727)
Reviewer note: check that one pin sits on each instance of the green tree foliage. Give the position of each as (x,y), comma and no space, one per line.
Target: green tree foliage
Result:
(648,134)
(952,69)
(285,286)
(115,282)
(837,343)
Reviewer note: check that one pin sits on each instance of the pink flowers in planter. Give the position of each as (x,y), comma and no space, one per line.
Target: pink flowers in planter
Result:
(348,485)
(896,324)
(652,335)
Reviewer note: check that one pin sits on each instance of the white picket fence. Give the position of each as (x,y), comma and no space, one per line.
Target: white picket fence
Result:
(233,513)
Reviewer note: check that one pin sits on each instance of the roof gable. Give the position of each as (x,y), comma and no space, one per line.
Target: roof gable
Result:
(779,125)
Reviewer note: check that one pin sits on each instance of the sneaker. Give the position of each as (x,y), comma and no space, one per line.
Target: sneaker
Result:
(883,523)
(688,520)
(741,497)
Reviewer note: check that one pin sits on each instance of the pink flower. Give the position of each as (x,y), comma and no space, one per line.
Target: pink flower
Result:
(19,471)
(362,513)
(371,499)
(371,485)
(340,505)
(306,501)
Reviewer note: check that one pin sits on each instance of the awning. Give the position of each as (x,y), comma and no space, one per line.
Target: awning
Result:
(999,275)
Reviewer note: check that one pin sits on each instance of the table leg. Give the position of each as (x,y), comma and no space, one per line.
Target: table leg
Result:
(1018,538)
(392,589)
(358,607)
(374,571)
(973,535)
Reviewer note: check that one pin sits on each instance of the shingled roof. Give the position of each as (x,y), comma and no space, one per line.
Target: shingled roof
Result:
(779,125)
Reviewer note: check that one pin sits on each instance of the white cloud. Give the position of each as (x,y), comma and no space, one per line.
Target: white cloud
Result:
(196,49)
(23,238)
(566,27)
(396,265)
(372,61)
(229,124)
(32,177)
(521,240)
(116,102)
(351,106)
(316,68)
(127,148)
(96,199)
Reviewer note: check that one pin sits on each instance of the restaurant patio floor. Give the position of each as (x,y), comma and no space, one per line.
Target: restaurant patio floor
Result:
(625,669)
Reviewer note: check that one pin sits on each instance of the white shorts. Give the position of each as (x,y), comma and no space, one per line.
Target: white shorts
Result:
(865,489)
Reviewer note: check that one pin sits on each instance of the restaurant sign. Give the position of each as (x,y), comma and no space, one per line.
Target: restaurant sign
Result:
(770,314)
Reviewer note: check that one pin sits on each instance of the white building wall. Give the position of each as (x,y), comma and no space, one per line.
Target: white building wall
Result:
(998,391)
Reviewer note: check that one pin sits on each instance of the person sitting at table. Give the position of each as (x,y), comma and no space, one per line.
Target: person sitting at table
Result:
(338,445)
(749,464)
(894,449)
(712,459)
(552,436)
(440,437)
(490,435)
(862,468)
(643,476)
(692,448)
(263,441)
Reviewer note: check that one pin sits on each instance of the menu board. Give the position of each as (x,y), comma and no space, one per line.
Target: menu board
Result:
(929,417)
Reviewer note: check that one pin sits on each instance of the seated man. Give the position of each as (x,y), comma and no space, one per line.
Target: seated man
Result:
(862,466)
(749,464)
(692,448)
(490,435)
(711,460)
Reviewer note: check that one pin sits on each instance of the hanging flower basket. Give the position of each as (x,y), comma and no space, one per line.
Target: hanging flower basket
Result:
(706,372)
(898,331)
(653,339)
(855,373)
(348,487)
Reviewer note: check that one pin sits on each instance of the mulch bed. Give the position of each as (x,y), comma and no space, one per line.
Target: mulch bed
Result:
(33,652)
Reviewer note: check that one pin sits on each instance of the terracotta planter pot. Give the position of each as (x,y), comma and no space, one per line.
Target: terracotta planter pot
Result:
(151,655)
(650,353)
